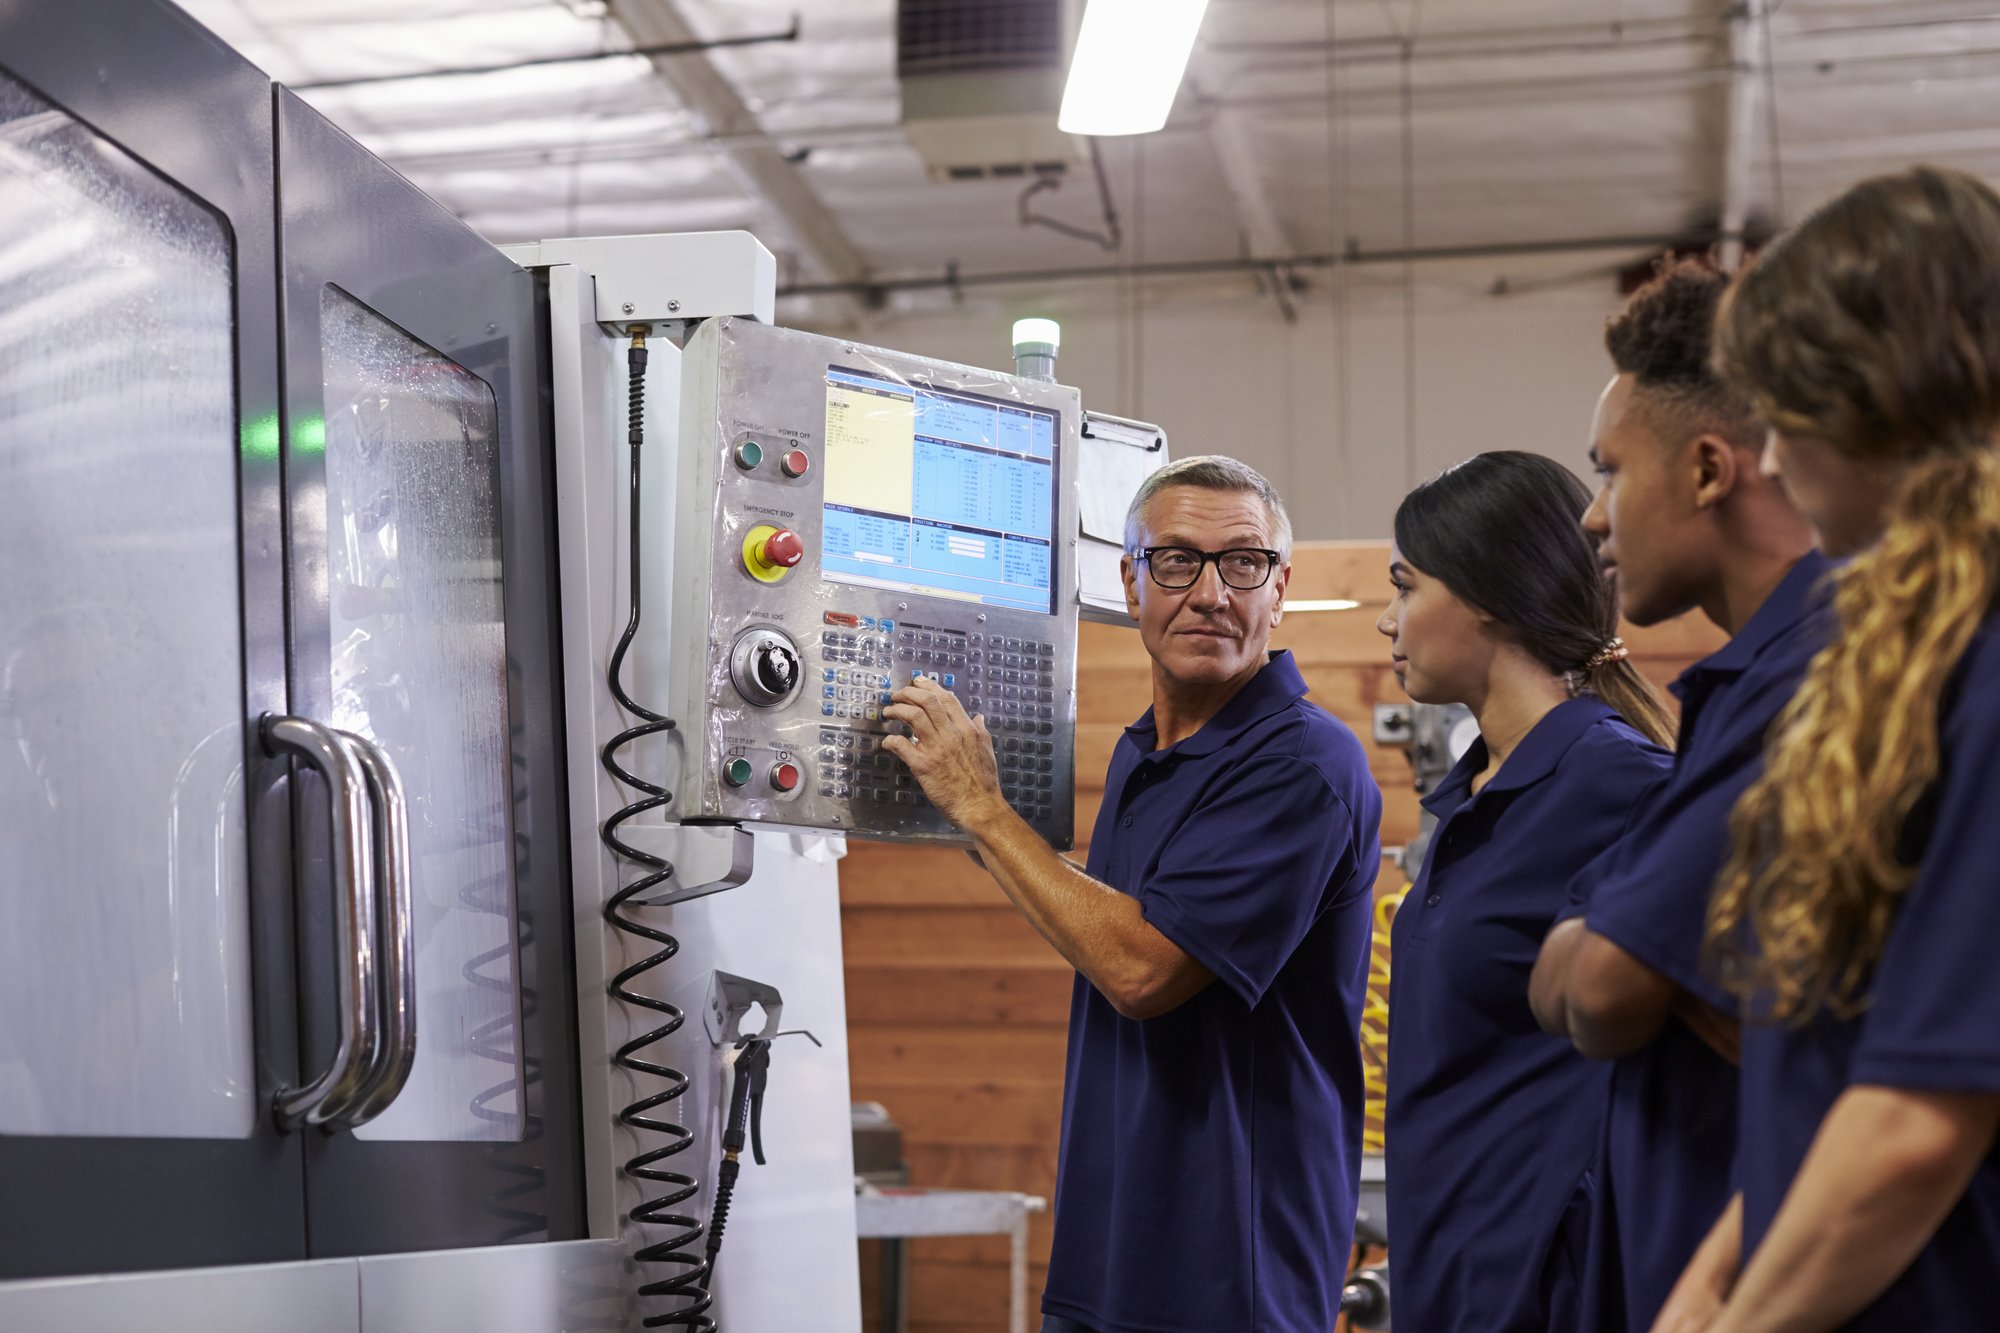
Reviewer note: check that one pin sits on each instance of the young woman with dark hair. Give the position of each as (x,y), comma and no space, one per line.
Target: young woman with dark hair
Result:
(1858,914)
(1493,1123)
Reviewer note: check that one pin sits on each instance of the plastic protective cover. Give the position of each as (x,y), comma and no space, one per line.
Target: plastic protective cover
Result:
(974,473)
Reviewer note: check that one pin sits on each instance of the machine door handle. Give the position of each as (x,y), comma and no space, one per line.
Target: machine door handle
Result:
(357,1051)
(396,936)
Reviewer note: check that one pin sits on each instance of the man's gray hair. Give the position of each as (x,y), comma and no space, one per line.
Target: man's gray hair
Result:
(1211,472)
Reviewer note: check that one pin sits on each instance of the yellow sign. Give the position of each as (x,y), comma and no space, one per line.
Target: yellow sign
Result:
(871,445)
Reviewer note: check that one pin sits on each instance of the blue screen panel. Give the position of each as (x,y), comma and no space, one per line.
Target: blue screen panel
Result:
(981,494)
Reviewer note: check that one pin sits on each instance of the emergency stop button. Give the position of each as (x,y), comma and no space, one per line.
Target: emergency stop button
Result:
(785,776)
(795,463)
(783,547)
(769,553)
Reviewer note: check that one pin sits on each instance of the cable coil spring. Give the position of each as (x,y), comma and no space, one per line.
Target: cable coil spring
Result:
(688,1281)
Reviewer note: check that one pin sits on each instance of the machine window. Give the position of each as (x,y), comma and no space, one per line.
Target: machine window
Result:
(124,889)
(418,631)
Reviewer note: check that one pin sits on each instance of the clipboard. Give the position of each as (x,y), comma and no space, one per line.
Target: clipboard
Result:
(1118,454)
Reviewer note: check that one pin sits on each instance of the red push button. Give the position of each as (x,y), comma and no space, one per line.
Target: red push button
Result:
(785,777)
(770,553)
(796,463)
(783,548)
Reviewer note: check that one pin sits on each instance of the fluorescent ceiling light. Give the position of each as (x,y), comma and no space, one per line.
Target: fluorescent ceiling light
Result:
(1325,604)
(1130,55)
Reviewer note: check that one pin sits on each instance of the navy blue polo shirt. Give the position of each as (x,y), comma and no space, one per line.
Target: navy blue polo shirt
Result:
(1670,1124)
(1493,1123)
(1933,1023)
(1210,1154)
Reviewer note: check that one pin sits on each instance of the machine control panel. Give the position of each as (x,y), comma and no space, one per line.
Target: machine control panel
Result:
(876,517)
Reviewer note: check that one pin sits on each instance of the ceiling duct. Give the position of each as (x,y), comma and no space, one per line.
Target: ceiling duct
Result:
(982,82)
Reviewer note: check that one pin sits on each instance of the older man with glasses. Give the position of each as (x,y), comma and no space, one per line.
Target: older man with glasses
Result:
(1211,1131)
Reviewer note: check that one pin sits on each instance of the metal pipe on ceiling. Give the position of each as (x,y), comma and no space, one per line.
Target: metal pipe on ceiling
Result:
(791,34)
(1391,45)
(1428,52)
(1608,33)
(1665,80)
(1811,59)
(879,288)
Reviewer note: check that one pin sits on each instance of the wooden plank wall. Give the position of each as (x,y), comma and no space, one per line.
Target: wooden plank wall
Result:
(957,1009)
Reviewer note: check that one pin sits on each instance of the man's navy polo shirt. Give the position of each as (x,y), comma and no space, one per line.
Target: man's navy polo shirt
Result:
(1493,1123)
(1933,1023)
(1210,1154)
(1670,1124)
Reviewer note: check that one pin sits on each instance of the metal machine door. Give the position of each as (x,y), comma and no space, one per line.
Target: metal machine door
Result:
(144,834)
(423,619)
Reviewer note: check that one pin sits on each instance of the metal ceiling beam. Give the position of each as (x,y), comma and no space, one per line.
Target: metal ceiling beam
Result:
(1264,235)
(1749,59)
(1255,215)
(757,163)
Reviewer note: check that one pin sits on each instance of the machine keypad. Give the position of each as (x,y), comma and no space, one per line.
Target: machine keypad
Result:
(853,764)
(1011,681)
(840,648)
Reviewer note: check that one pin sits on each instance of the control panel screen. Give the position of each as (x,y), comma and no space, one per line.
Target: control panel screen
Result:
(938,492)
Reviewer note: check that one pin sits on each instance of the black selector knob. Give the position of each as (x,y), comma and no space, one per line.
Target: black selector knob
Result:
(765,665)
(776,667)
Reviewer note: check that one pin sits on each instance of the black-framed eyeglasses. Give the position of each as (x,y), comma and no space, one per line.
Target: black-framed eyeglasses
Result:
(1244,568)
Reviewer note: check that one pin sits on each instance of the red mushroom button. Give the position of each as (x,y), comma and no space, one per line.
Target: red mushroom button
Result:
(783,547)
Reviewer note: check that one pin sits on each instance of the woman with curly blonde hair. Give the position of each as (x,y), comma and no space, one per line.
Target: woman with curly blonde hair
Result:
(1860,911)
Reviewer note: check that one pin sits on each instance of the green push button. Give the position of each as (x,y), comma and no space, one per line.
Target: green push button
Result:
(749,455)
(737,772)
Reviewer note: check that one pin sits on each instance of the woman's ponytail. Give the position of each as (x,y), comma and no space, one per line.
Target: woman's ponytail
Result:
(1636,699)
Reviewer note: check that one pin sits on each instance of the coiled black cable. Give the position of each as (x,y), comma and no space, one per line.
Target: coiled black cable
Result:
(688,1282)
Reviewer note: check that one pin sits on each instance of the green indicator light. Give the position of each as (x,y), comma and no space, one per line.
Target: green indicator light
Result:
(737,773)
(309,436)
(749,454)
(260,437)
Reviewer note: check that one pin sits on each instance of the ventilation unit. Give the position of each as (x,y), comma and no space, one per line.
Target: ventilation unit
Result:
(982,82)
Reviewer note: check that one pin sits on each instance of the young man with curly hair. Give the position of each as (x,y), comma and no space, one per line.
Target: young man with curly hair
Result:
(1683,520)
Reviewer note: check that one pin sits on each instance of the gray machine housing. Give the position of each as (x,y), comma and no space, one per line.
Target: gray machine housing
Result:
(742,381)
